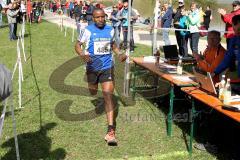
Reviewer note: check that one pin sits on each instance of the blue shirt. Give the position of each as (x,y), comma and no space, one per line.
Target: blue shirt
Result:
(183,25)
(232,54)
(125,15)
(167,18)
(98,46)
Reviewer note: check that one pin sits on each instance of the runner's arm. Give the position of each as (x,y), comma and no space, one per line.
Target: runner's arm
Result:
(78,48)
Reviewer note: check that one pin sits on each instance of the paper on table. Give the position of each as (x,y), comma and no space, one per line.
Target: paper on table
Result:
(236,106)
(235,98)
(182,78)
(167,66)
(151,59)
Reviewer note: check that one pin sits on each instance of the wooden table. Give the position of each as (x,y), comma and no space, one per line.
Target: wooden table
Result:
(169,77)
(210,101)
(175,62)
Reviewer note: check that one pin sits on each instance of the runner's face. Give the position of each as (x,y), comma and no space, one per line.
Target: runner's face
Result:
(99,18)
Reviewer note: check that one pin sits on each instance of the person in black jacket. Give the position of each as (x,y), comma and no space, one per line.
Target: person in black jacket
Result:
(207,17)
(176,17)
(77,11)
(89,12)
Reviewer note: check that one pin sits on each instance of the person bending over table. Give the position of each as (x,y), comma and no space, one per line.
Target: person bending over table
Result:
(213,54)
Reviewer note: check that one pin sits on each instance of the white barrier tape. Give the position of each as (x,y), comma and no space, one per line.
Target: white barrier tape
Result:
(175,29)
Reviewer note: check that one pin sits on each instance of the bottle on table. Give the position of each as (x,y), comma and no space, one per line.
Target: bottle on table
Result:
(179,66)
(227,93)
(157,57)
(221,88)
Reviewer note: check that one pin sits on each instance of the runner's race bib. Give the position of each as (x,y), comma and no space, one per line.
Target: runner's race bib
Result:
(102,47)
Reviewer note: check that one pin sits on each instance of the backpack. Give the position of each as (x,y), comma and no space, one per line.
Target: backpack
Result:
(5,82)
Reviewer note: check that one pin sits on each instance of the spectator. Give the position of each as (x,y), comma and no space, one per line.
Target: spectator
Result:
(23,10)
(67,8)
(77,11)
(123,16)
(213,54)
(81,26)
(12,13)
(99,4)
(29,10)
(183,35)
(227,19)
(176,20)
(71,7)
(233,52)
(120,5)
(51,6)
(201,15)
(116,23)
(84,9)
(193,20)
(166,21)
(89,12)
(207,18)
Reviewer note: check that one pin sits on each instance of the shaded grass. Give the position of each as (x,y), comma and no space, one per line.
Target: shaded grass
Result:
(43,134)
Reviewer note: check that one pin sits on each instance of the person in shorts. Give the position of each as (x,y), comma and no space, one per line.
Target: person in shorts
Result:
(97,54)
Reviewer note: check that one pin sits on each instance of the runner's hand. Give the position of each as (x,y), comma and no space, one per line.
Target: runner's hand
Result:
(122,57)
(86,58)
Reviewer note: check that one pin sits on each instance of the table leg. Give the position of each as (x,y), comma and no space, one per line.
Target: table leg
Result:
(192,117)
(169,118)
(134,82)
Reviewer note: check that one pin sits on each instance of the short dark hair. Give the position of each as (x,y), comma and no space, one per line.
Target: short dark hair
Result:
(97,9)
(236,19)
(216,33)
(236,3)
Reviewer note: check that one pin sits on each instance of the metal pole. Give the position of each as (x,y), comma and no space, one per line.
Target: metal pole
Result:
(156,15)
(126,70)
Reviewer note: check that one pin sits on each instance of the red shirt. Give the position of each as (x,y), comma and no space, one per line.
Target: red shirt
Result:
(29,7)
(227,18)
(67,5)
(120,6)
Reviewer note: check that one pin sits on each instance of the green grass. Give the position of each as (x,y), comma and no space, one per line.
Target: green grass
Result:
(63,135)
